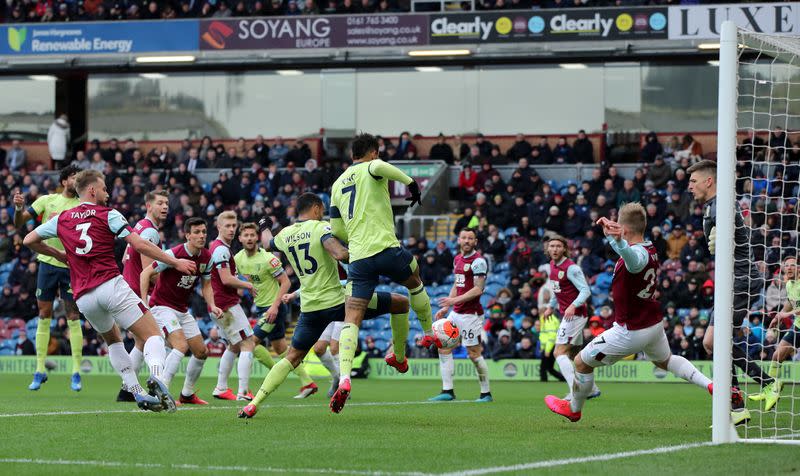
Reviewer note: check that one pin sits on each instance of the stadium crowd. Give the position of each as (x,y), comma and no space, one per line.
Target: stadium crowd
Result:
(512,217)
(25,11)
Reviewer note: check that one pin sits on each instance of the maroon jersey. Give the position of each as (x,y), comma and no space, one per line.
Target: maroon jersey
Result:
(132,261)
(566,292)
(635,305)
(466,268)
(88,232)
(225,297)
(173,288)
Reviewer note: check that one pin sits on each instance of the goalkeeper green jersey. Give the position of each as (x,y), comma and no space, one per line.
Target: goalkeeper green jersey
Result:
(360,198)
(314,266)
(262,269)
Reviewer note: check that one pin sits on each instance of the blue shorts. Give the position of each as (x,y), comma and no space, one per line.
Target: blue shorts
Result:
(792,337)
(311,325)
(396,264)
(50,280)
(278,332)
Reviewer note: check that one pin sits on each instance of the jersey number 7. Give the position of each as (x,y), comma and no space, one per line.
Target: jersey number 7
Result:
(351,189)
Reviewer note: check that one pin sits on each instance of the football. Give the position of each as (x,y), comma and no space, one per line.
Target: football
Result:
(447,333)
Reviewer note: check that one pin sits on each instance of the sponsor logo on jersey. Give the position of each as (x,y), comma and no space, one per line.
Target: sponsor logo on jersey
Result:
(560,275)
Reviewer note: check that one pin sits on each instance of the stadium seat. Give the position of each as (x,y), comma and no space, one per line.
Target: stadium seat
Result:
(501,267)
(5,334)
(493,288)
(383,288)
(485,299)
(18,324)
(4,351)
(400,289)
(449,279)
(683,312)
(498,278)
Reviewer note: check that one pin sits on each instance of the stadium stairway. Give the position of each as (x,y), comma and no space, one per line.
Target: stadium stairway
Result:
(442,228)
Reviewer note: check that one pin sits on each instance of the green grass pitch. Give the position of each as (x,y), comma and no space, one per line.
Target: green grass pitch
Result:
(387,428)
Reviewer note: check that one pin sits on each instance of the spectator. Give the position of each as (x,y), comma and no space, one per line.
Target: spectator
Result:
(778,143)
(58,141)
(467,183)
(596,326)
(676,240)
(544,154)
(194,162)
(590,264)
(277,153)
(690,149)
(24,345)
(484,146)
(582,149)
(442,150)
(467,220)
(527,349)
(660,172)
(693,250)
(404,146)
(521,148)
(26,305)
(215,345)
(562,152)
(371,350)
(628,194)
(496,157)
(8,304)
(430,271)
(462,149)
(420,352)
(299,153)
(504,347)
(16,158)
(651,148)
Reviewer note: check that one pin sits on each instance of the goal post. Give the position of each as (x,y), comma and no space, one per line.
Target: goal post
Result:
(759,93)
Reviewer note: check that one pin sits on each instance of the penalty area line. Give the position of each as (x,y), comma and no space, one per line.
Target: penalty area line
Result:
(567,461)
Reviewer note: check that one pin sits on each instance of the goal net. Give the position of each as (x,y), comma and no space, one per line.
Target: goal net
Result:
(758,292)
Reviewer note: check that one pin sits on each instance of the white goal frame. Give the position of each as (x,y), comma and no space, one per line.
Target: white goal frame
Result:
(727,128)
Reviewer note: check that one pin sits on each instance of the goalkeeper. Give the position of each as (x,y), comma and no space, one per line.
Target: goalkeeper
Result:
(747,280)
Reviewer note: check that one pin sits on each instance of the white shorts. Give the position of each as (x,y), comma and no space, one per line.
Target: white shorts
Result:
(170,320)
(571,331)
(618,342)
(234,325)
(332,332)
(111,302)
(470,325)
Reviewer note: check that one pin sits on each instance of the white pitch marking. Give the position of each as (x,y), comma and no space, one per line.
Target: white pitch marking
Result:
(231,407)
(584,459)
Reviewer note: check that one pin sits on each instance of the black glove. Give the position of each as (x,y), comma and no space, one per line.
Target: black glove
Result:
(416,195)
(264,223)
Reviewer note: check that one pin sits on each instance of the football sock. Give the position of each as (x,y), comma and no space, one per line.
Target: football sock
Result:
(136,359)
(348,342)
(421,304)
(582,385)
(400,327)
(684,369)
(567,370)
(483,373)
(154,355)
(774,369)
(750,368)
(262,355)
(329,364)
(171,365)
(273,380)
(336,363)
(300,371)
(225,367)
(42,342)
(447,367)
(75,344)
(193,371)
(121,362)
(245,364)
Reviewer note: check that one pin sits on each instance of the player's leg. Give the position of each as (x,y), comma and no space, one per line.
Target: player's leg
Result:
(277,336)
(46,287)
(570,334)
(786,349)
(75,338)
(471,327)
(172,363)
(195,366)
(657,351)
(122,364)
(261,332)
(741,304)
(321,349)
(418,296)
(397,306)
(221,390)
(309,328)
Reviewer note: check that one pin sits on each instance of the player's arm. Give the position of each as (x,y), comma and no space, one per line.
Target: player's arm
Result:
(335,248)
(35,240)
(151,235)
(786,312)
(208,295)
(272,313)
(287,298)
(635,257)
(379,169)
(479,270)
(576,277)
(444,309)
(21,214)
(149,273)
(152,251)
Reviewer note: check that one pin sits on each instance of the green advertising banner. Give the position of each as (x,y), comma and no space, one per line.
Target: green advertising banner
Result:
(419,369)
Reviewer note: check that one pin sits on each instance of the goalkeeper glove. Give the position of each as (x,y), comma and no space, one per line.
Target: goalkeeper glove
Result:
(264,223)
(416,195)
(712,240)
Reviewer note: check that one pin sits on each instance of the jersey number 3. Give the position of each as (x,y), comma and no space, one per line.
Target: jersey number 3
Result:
(84,229)
(304,247)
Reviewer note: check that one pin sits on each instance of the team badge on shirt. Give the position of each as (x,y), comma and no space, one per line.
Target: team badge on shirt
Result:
(560,275)
(466,267)
(275,262)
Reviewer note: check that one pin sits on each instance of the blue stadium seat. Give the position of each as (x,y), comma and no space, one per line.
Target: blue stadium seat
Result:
(383,288)
(7,351)
(381,344)
(497,278)
(399,289)
(449,279)
(501,267)
(683,312)
(493,288)
(443,289)
(485,299)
